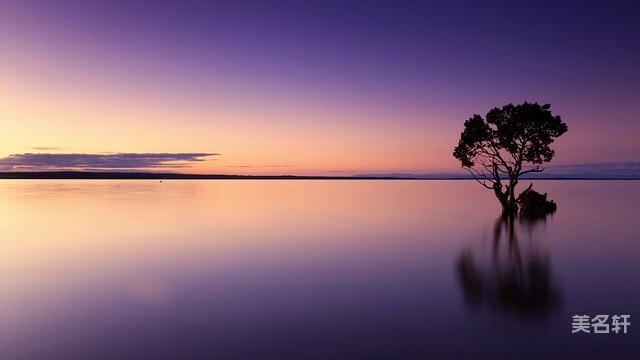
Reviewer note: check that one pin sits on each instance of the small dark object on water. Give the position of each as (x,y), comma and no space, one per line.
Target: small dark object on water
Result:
(535,205)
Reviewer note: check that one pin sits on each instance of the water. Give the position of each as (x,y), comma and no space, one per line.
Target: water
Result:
(311,270)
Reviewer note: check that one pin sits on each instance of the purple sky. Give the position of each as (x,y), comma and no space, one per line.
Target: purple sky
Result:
(315,87)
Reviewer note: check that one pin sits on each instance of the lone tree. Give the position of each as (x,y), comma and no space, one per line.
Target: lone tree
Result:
(511,142)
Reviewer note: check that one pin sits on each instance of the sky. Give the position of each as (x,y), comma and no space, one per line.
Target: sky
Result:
(306,87)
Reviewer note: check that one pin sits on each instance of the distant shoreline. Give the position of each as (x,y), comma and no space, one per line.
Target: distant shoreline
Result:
(82,175)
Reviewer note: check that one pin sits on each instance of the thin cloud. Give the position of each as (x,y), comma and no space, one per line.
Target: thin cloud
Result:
(47,148)
(93,162)
(258,166)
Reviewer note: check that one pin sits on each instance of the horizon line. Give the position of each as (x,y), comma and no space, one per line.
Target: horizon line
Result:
(142,175)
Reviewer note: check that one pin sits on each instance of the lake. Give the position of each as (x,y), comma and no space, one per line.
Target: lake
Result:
(288,269)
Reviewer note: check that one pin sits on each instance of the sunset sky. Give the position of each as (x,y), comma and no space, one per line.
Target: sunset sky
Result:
(305,87)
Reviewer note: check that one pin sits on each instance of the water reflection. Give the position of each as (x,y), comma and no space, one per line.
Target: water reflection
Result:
(516,278)
(308,270)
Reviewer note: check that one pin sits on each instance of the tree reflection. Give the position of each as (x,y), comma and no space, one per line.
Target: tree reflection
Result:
(516,279)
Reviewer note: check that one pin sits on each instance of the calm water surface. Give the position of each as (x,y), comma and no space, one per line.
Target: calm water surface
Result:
(311,270)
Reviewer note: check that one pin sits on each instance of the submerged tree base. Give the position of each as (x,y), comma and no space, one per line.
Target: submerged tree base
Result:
(533,204)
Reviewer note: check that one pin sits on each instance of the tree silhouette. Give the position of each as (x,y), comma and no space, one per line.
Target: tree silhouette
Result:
(511,138)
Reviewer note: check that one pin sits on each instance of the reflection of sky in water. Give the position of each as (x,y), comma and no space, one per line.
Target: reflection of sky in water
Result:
(319,269)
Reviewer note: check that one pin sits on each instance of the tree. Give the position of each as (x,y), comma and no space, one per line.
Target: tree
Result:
(512,141)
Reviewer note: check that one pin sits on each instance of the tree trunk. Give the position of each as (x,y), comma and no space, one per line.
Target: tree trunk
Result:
(512,204)
(507,197)
(503,198)
(509,207)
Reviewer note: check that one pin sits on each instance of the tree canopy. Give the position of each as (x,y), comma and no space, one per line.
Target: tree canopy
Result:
(509,142)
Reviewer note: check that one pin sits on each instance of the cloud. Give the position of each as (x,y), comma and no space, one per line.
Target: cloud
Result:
(47,148)
(109,161)
(258,166)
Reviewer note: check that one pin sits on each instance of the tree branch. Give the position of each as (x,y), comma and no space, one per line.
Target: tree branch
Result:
(536,169)
(476,178)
